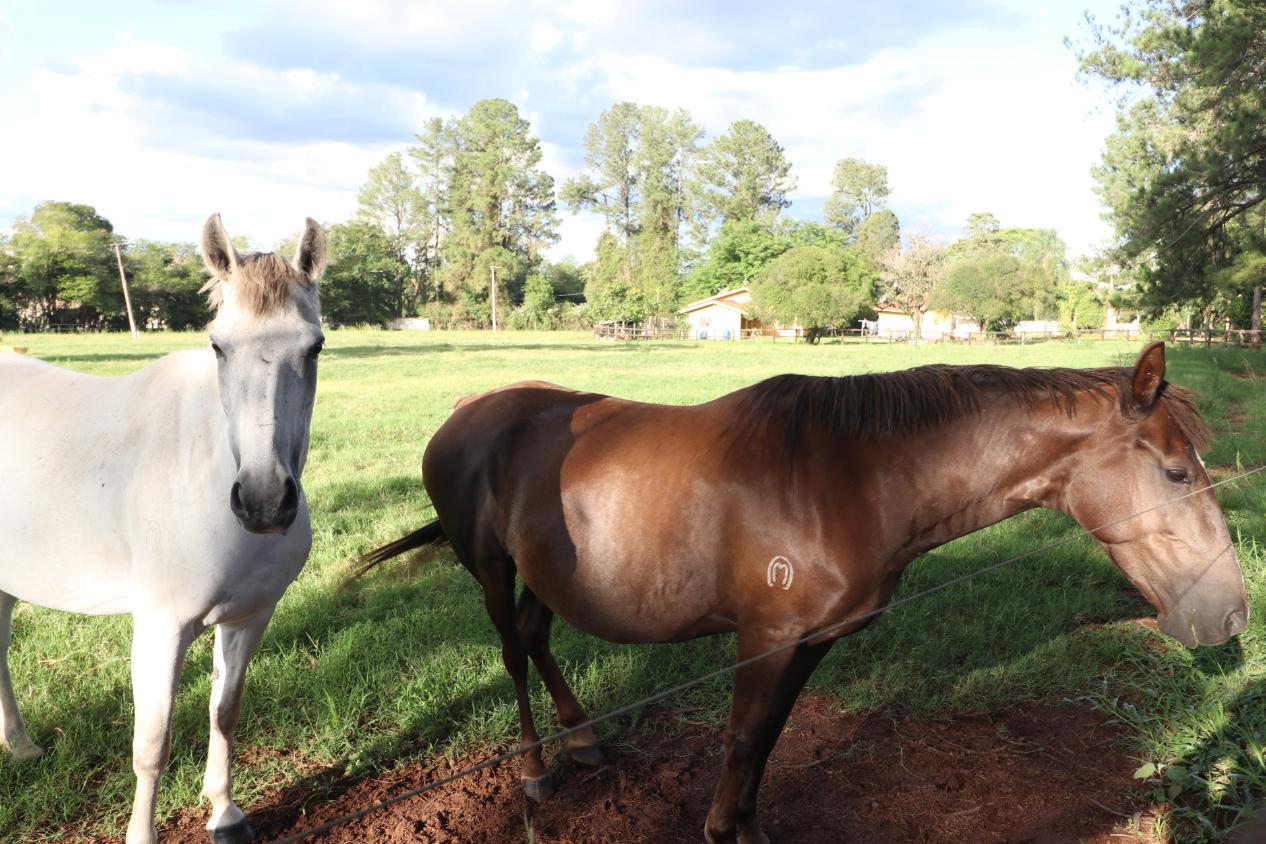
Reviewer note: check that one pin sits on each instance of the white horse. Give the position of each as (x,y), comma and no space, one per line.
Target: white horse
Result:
(172,494)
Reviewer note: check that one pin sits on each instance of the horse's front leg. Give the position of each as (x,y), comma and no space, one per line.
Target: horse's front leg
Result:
(13,734)
(764,693)
(235,644)
(158,652)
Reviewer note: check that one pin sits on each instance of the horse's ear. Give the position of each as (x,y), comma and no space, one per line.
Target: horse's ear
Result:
(1149,374)
(310,257)
(217,250)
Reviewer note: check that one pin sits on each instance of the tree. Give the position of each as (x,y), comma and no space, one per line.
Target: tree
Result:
(745,175)
(538,310)
(502,202)
(165,282)
(390,200)
(65,266)
(611,185)
(1080,305)
(986,287)
(10,299)
(736,255)
(982,225)
(609,288)
(858,190)
(640,163)
(433,158)
(877,234)
(1043,268)
(360,284)
(664,160)
(1033,282)
(566,278)
(814,286)
(1185,173)
(908,277)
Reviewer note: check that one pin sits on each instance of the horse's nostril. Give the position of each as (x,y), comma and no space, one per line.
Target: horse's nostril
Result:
(235,501)
(290,500)
(1236,621)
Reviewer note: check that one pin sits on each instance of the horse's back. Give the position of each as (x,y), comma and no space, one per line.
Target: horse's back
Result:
(509,388)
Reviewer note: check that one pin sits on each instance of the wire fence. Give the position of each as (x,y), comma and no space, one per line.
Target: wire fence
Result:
(817,635)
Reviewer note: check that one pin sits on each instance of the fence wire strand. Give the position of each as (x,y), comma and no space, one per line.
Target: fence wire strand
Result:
(728,669)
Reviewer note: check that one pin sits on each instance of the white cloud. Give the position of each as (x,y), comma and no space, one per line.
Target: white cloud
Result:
(93,144)
(545,37)
(964,122)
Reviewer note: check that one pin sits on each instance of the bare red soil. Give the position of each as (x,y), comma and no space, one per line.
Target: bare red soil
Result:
(1036,773)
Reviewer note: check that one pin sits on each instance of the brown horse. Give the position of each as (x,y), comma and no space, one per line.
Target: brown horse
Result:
(787,507)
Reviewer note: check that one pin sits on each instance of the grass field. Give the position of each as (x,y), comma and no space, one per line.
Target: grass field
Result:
(395,669)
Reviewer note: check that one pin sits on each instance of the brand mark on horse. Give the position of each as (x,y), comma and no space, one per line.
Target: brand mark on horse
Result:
(780,573)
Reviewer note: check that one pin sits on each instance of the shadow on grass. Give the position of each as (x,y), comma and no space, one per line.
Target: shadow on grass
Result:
(102,357)
(410,351)
(1218,786)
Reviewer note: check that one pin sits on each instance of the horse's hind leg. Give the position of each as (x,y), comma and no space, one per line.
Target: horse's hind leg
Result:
(498,584)
(13,733)
(534,624)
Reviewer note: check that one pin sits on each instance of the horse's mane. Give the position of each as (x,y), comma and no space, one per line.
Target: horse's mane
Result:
(261,284)
(894,404)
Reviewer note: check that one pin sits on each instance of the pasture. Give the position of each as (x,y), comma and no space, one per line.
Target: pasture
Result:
(405,666)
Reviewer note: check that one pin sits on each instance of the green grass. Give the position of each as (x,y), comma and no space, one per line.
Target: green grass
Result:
(397,669)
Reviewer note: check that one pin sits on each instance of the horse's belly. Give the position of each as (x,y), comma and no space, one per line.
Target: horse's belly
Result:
(60,546)
(88,576)
(630,599)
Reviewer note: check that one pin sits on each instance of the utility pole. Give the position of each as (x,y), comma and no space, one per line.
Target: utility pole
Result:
(493,267)
(127,299)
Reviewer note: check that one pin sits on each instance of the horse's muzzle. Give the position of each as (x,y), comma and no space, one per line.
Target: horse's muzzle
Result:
(1213,627)
(265,513)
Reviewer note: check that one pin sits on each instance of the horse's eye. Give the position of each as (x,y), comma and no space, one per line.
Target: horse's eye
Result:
(218,351)
(1178,475)
(316,349)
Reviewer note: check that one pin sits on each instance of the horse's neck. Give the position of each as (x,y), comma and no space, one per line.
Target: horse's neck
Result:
(984,468)
(188,380)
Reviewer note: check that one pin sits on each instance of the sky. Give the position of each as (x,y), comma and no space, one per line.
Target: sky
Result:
(159,112)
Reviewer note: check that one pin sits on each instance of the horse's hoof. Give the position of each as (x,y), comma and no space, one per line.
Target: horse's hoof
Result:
(538,789)
(24,751)
(744,833)
(588,754)
(239,833)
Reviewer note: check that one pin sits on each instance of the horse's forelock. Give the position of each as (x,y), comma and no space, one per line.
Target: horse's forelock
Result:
(261,284)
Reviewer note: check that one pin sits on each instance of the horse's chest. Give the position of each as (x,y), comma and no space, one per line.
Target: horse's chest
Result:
(233,575)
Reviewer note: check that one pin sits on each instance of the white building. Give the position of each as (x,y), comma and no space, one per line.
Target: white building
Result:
(725,316)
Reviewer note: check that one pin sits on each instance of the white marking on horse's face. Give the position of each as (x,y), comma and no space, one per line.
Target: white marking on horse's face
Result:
(780,573)
(267,368)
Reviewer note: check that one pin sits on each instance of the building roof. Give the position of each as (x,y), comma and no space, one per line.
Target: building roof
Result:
(716,300)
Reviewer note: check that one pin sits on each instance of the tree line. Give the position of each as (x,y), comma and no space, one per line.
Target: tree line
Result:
(469,206)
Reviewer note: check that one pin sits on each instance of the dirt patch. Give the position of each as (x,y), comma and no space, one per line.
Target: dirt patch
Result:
(1036,773)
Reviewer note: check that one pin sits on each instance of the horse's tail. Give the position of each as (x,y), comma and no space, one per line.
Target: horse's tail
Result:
(430,535)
